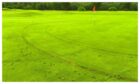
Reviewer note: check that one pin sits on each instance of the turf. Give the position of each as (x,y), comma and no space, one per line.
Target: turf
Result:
(69,45)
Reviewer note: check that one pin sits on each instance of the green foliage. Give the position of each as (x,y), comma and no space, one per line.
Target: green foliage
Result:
(81,8)
(42,6)
(71,5)
(112,9)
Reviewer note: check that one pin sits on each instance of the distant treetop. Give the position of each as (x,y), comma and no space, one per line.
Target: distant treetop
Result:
(111,6)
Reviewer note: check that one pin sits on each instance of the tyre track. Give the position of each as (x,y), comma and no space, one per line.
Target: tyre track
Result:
(81,44)
(94,48)
(60,57)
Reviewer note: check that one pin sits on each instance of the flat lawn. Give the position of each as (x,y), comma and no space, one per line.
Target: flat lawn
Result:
(69,45)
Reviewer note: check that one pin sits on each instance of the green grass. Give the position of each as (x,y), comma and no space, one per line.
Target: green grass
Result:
(69,45)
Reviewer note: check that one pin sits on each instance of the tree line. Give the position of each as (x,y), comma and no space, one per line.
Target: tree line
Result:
(113,6)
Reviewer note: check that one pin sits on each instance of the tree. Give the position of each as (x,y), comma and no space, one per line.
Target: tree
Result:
(112,9)
(81,8)
(72,5)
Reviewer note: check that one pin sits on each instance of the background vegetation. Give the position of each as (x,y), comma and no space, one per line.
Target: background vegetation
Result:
(131,6)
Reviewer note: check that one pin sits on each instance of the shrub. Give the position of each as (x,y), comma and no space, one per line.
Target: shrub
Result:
(81,8)
(112,9)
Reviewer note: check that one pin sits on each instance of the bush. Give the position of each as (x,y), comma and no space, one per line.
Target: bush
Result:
(81,8)
(112,9)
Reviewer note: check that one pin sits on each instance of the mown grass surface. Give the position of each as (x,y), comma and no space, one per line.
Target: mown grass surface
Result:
(69,46)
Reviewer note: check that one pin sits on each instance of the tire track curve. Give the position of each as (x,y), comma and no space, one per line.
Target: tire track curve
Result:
(60,57)
(94,48)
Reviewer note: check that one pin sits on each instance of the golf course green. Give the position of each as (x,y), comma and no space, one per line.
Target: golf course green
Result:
(64,46)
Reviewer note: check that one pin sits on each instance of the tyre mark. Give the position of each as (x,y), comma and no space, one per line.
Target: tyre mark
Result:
(60,57)
(94,48)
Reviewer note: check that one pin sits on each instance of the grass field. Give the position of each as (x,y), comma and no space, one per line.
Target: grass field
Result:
(69,46)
